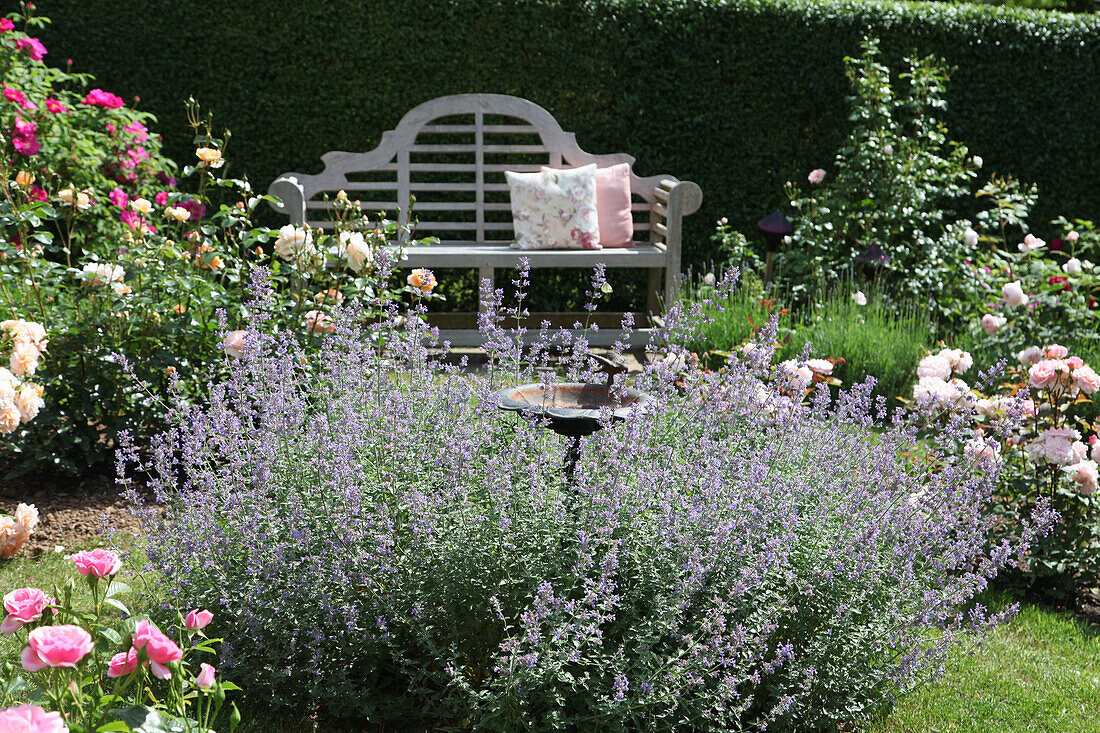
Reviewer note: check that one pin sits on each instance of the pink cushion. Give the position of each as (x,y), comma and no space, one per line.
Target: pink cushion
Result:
(613,206)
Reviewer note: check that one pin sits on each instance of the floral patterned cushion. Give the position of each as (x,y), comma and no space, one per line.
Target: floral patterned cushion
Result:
(555,209)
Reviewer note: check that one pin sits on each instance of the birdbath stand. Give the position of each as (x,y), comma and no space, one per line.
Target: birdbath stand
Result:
(573,409)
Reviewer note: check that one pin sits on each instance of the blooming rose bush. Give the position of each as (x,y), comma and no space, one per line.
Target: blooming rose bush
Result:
(20,399)
(80,687)
(137,274)
(1030,427)
(382,542)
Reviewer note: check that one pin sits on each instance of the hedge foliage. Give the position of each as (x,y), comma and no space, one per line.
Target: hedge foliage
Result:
(738,96)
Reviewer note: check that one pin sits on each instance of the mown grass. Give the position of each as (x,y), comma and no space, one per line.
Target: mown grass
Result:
(1041,672)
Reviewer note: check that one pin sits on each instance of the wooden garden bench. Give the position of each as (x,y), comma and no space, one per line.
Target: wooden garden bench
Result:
(450,154)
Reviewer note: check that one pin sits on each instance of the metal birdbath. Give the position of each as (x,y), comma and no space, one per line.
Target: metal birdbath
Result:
(573,409)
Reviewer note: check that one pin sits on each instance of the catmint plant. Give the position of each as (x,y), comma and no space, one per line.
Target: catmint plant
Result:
(378,540)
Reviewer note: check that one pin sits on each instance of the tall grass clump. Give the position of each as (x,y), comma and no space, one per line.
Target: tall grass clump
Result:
(727,316)
(876,339)
(377,540)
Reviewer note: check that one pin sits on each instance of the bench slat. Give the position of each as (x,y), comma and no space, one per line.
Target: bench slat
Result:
(503,256)
(439,129)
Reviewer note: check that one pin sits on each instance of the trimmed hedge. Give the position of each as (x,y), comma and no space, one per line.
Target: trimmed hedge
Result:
(737,96)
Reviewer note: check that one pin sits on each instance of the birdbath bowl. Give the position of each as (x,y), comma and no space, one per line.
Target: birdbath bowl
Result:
(573,409)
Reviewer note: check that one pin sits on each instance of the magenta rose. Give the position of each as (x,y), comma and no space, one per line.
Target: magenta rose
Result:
(32,47)
(31,719)
(98,563)
(24,605)
(55,106)
(55,646)
(100,98)
(24,137)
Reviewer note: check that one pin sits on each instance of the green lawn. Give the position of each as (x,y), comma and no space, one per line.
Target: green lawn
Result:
(1039,673)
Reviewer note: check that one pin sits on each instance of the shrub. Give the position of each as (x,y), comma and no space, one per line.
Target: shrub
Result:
(376,537)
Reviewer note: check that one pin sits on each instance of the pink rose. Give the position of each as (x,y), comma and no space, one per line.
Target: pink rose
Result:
(98,563)
(158,648)
(118,197)
(1056,351)
(1046,373)
(161,198)
(318,322)
(1086,476)
(205,680)
(32,47)
(198,619)
(817,175)
(24,605)
(1014,294)
(55,106)
(56,646)
(234,343)
(1087,380)
(1075,362)
(991,324)
(138,130)
(122,663)
(30,718)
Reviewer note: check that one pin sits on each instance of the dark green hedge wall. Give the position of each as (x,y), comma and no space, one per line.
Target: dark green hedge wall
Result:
(737,96)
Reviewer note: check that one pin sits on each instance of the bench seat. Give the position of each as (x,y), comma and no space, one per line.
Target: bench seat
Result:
(503,256)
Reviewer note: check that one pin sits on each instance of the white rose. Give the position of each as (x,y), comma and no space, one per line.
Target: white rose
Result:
(859,298)
(1030,356)
(970,237)
(355,249)
(888,149)
(102,273)
(978,160)
(1014,294)
(141,206)
(178,213)
(1072,266)
(294,243)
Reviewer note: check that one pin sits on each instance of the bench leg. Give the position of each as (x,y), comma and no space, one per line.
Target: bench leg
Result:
(653,294)
(485,273)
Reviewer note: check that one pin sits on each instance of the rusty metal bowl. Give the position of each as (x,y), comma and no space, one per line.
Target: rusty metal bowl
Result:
(571,408)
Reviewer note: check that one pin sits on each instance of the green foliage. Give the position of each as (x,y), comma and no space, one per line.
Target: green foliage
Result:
(877,340)
(737,96)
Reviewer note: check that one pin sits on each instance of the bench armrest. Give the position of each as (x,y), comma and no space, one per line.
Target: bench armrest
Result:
(292,198)
(680,198)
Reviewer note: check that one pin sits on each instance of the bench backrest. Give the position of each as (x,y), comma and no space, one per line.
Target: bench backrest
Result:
(449,155)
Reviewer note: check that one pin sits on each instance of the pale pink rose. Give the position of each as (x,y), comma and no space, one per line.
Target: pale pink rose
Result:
(933,390)
(102,273)
(24,358)
(985,407)
(1031,243)
(10,417)
(55,646)
(1072,237)
(1046,373)
(29,401)
(797,376)
(934,366)
(15,531)
(817,175)
(991,324)
(234,343)
(1075,362)
(205,679)
(1062,446)
(98,563)
(819,366)
(1086,476)
(24,605)
(1036,451)
(1014,294)
(294,243)
(1087,380)
(31,719)
(1056,351)
(122,663)
(1030,355)
(1094,452)
(198,619)
(318,322)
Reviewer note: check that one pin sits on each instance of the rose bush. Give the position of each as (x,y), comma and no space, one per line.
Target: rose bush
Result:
(136,274)
(79,687)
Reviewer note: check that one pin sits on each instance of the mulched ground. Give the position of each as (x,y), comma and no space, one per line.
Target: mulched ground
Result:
(72,511)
